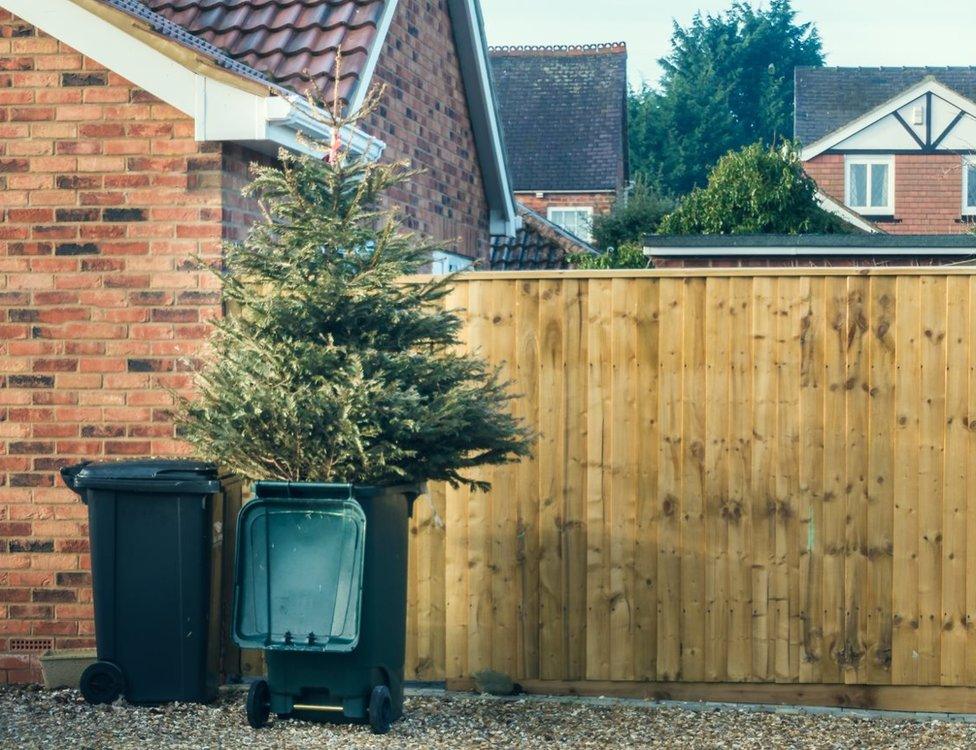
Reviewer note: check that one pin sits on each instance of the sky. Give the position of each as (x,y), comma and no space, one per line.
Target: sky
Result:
(854,32)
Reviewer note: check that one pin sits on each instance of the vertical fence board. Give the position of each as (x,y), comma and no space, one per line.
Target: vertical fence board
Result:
(646,543)
(905,623)
(717,415)
(931,448)
(669,495)
(598,473)
(551,451)
(954,474)
(857,439)
(813,385)
(692,516)
(880,484)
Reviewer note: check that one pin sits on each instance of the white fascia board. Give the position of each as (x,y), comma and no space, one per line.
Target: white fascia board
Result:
(892,105)
(472,49)
(220,111)
(379,43)
(731,251)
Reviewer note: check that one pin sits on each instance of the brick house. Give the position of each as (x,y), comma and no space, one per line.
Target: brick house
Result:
(564,118)
(896,145)
(126,131)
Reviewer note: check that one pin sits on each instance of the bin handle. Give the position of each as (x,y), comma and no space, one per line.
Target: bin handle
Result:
(70,473)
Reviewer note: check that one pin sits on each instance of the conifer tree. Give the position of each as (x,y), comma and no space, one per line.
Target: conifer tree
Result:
(330,366)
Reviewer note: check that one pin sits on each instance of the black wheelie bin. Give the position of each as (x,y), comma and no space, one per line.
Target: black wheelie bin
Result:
(155,528)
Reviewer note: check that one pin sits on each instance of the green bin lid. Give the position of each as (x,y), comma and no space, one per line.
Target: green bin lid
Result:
(149,475)
(299,574)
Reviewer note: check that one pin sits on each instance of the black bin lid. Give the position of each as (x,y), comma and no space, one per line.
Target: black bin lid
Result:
(150,475)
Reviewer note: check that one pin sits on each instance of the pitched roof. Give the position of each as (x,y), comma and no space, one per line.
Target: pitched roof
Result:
(292,42)
(564,115)
(538,245)
(829,98)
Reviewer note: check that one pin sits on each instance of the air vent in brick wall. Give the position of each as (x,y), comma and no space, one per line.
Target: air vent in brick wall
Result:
(31,645)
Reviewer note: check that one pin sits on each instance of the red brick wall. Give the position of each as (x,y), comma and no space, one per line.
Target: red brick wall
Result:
(600,202)
(104,197)
(928,191)
(424,118)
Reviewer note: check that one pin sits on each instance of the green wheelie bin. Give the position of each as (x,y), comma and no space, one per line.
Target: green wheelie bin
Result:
(321,587)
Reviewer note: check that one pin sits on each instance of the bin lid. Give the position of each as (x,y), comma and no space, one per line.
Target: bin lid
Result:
(150,475)
(299,574)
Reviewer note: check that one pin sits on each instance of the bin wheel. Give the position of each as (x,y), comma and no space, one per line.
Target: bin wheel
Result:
(258,704)
(380,709)
(101,682)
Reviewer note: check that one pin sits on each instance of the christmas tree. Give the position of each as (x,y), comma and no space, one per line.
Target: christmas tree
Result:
(331,367)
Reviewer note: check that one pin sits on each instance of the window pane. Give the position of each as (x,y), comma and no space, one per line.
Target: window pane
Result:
(879,185)
(859,185)
(971,186)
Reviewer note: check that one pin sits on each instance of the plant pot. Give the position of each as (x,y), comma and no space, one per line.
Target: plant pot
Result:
(62,669)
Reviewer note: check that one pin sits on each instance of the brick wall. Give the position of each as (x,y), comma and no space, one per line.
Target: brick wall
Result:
(424,118)
(105,197)
(928,191)
(600,202)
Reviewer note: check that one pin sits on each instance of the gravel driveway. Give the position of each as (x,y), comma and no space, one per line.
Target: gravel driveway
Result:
(32,718)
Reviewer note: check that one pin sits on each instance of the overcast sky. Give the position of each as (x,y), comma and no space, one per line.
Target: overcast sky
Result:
(854,32)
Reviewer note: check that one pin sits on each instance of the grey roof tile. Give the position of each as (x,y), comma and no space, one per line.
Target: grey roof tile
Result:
(564,115)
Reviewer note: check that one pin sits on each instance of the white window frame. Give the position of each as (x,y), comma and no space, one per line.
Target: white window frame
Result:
(588,210)
(967,163)
(889,161)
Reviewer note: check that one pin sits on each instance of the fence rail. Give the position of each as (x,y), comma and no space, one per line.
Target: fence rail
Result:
(759,476)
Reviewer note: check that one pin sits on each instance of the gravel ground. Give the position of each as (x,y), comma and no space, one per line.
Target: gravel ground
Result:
(32,718)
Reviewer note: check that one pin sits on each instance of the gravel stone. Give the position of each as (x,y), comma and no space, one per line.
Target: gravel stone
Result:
(33,718)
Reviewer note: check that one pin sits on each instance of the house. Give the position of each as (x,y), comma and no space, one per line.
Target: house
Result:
(126,132)
(896,145)
(564,119)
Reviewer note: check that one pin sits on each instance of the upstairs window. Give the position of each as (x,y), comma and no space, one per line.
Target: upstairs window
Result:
(577,220)
(870,184)
(969,186)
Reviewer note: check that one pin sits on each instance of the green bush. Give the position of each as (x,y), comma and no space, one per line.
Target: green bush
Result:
(757,190)
(633,217)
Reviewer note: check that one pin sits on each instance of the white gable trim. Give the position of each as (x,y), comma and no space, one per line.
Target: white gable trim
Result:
(472,50)
(929,85)
(366,76)
(846,214)
(221,111)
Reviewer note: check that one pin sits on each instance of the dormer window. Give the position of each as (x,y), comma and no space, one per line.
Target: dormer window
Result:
(969,186)
(870,184)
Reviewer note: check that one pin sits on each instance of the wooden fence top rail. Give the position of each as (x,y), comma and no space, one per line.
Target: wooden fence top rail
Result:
(670,273)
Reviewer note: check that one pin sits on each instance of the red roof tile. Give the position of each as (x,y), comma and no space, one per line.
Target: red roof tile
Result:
(293,42)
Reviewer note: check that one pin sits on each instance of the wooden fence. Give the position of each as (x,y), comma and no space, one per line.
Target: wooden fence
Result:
(762,478)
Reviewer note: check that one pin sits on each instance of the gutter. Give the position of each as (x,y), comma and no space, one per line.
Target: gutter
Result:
(288,116)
